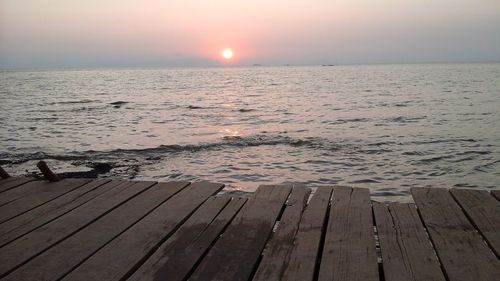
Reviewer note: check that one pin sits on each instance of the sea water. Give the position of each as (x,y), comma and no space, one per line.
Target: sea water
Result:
(385,127)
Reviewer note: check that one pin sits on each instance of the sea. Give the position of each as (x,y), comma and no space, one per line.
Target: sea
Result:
(384,127)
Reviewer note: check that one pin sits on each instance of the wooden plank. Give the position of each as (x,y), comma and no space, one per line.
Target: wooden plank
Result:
(38,187)
(57,261)
(33,194)
(30,220)
(9,183)
(484,212)
(302,262)
(139,241)
(349,250)
(460,248)
(235,255)
(21,250)
(496,194)
(407,253)
(279,247)
(180,253)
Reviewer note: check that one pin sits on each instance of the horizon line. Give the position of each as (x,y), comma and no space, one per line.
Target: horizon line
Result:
(326,64)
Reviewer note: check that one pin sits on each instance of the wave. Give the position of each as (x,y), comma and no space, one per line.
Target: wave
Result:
(227,142)
(443,141)
(245,110)
(405,119)
(74,102)
(323,145)
(351,120)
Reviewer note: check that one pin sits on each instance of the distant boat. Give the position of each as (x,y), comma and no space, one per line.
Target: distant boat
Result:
(328,65)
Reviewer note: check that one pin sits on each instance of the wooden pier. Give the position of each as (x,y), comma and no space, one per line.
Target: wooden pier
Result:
(82,229)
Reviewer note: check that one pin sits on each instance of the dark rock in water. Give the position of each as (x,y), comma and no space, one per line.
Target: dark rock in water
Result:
(87,174)
(3,162)
(97,168)
(194,107)
(102,168)
(245,110)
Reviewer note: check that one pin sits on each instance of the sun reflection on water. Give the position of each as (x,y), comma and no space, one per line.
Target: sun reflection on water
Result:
(229,134)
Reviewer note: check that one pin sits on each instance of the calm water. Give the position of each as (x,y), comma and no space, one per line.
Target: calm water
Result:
(386,127)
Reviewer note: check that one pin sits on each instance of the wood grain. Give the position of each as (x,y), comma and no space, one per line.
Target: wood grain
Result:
(484,212)
(30,220)
(303,261)
(235,255)
(26,247)
(407,253)
(349,251)
(279,247)
(12,182)
(177,257)
(139,241)
(461,250)
(60,259)
(34,194)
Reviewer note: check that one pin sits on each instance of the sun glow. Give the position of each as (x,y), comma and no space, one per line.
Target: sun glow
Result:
(227,54)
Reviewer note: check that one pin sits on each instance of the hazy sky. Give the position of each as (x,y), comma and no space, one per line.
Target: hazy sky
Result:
(86,33)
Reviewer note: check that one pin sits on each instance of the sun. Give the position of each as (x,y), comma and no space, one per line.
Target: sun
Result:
(227,54)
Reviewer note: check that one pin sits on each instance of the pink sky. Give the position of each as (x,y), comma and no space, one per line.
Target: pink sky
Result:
(133,32)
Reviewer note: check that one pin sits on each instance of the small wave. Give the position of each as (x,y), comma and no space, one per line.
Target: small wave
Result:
(418,153)
(373,151)
(468,185)
(314,143)
(84,108)
(382,143)
(118,102)
(434,159)
(404,120)
(74,102)
(443,141)
(474,152)
(488,167)
(194,107)
(245,110)
(43,119)
(364,181)
(351,120)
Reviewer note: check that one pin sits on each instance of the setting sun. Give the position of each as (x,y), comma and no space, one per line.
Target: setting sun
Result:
(227,54)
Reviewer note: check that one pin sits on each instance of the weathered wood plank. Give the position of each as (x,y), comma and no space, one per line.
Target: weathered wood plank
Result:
(303,260)
(33,194)
(30,220)
(349,250)
(179,254)
(139,241)
(60,259)
(484,212)
(9,183)
(496,194)
(407,253)
(21,250)
(460,248)
(280,245)
(35,187)
(235,255)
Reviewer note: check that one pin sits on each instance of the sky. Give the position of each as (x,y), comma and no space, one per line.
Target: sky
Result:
(114,33)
